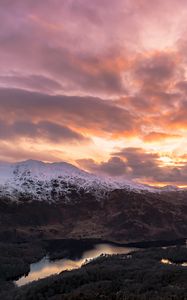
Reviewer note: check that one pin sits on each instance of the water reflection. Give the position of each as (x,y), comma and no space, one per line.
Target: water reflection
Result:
(45,267)
(169,262)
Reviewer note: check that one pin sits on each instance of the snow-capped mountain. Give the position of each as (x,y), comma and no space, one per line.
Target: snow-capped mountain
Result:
(51,181)
(60,200)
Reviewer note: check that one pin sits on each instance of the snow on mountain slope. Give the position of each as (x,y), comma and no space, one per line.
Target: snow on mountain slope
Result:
(37,180)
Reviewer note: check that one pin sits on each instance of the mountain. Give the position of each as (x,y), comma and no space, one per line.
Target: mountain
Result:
(50,181)
(50,200)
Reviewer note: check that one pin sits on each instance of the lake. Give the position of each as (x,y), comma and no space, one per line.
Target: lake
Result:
(46,267)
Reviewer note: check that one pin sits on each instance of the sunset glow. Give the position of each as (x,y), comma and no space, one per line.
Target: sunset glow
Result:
(101,84)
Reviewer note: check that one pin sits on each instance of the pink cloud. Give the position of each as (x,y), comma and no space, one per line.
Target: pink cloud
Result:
(103,68)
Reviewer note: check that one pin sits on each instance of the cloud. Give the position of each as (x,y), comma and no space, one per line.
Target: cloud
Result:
(159,136)
(137,164)
(85,72)
(33,82)
(75,71)
(156,69)
(142,164)
(43,130)
(89,113)
(41,38)
(9,153)
(131,162)
(115,166)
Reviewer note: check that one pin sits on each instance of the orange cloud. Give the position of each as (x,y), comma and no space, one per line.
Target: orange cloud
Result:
(90,72)
(137,164)
(159,137)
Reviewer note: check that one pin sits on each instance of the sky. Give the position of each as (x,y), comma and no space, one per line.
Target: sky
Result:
(101,84)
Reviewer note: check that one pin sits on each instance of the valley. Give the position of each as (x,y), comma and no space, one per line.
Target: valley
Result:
(52,214)
(133,274)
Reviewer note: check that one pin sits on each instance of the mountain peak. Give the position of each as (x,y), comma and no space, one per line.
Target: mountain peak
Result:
(36,179)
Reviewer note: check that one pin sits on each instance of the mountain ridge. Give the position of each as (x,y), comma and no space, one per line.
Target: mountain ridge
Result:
(39,180)
(41,199)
